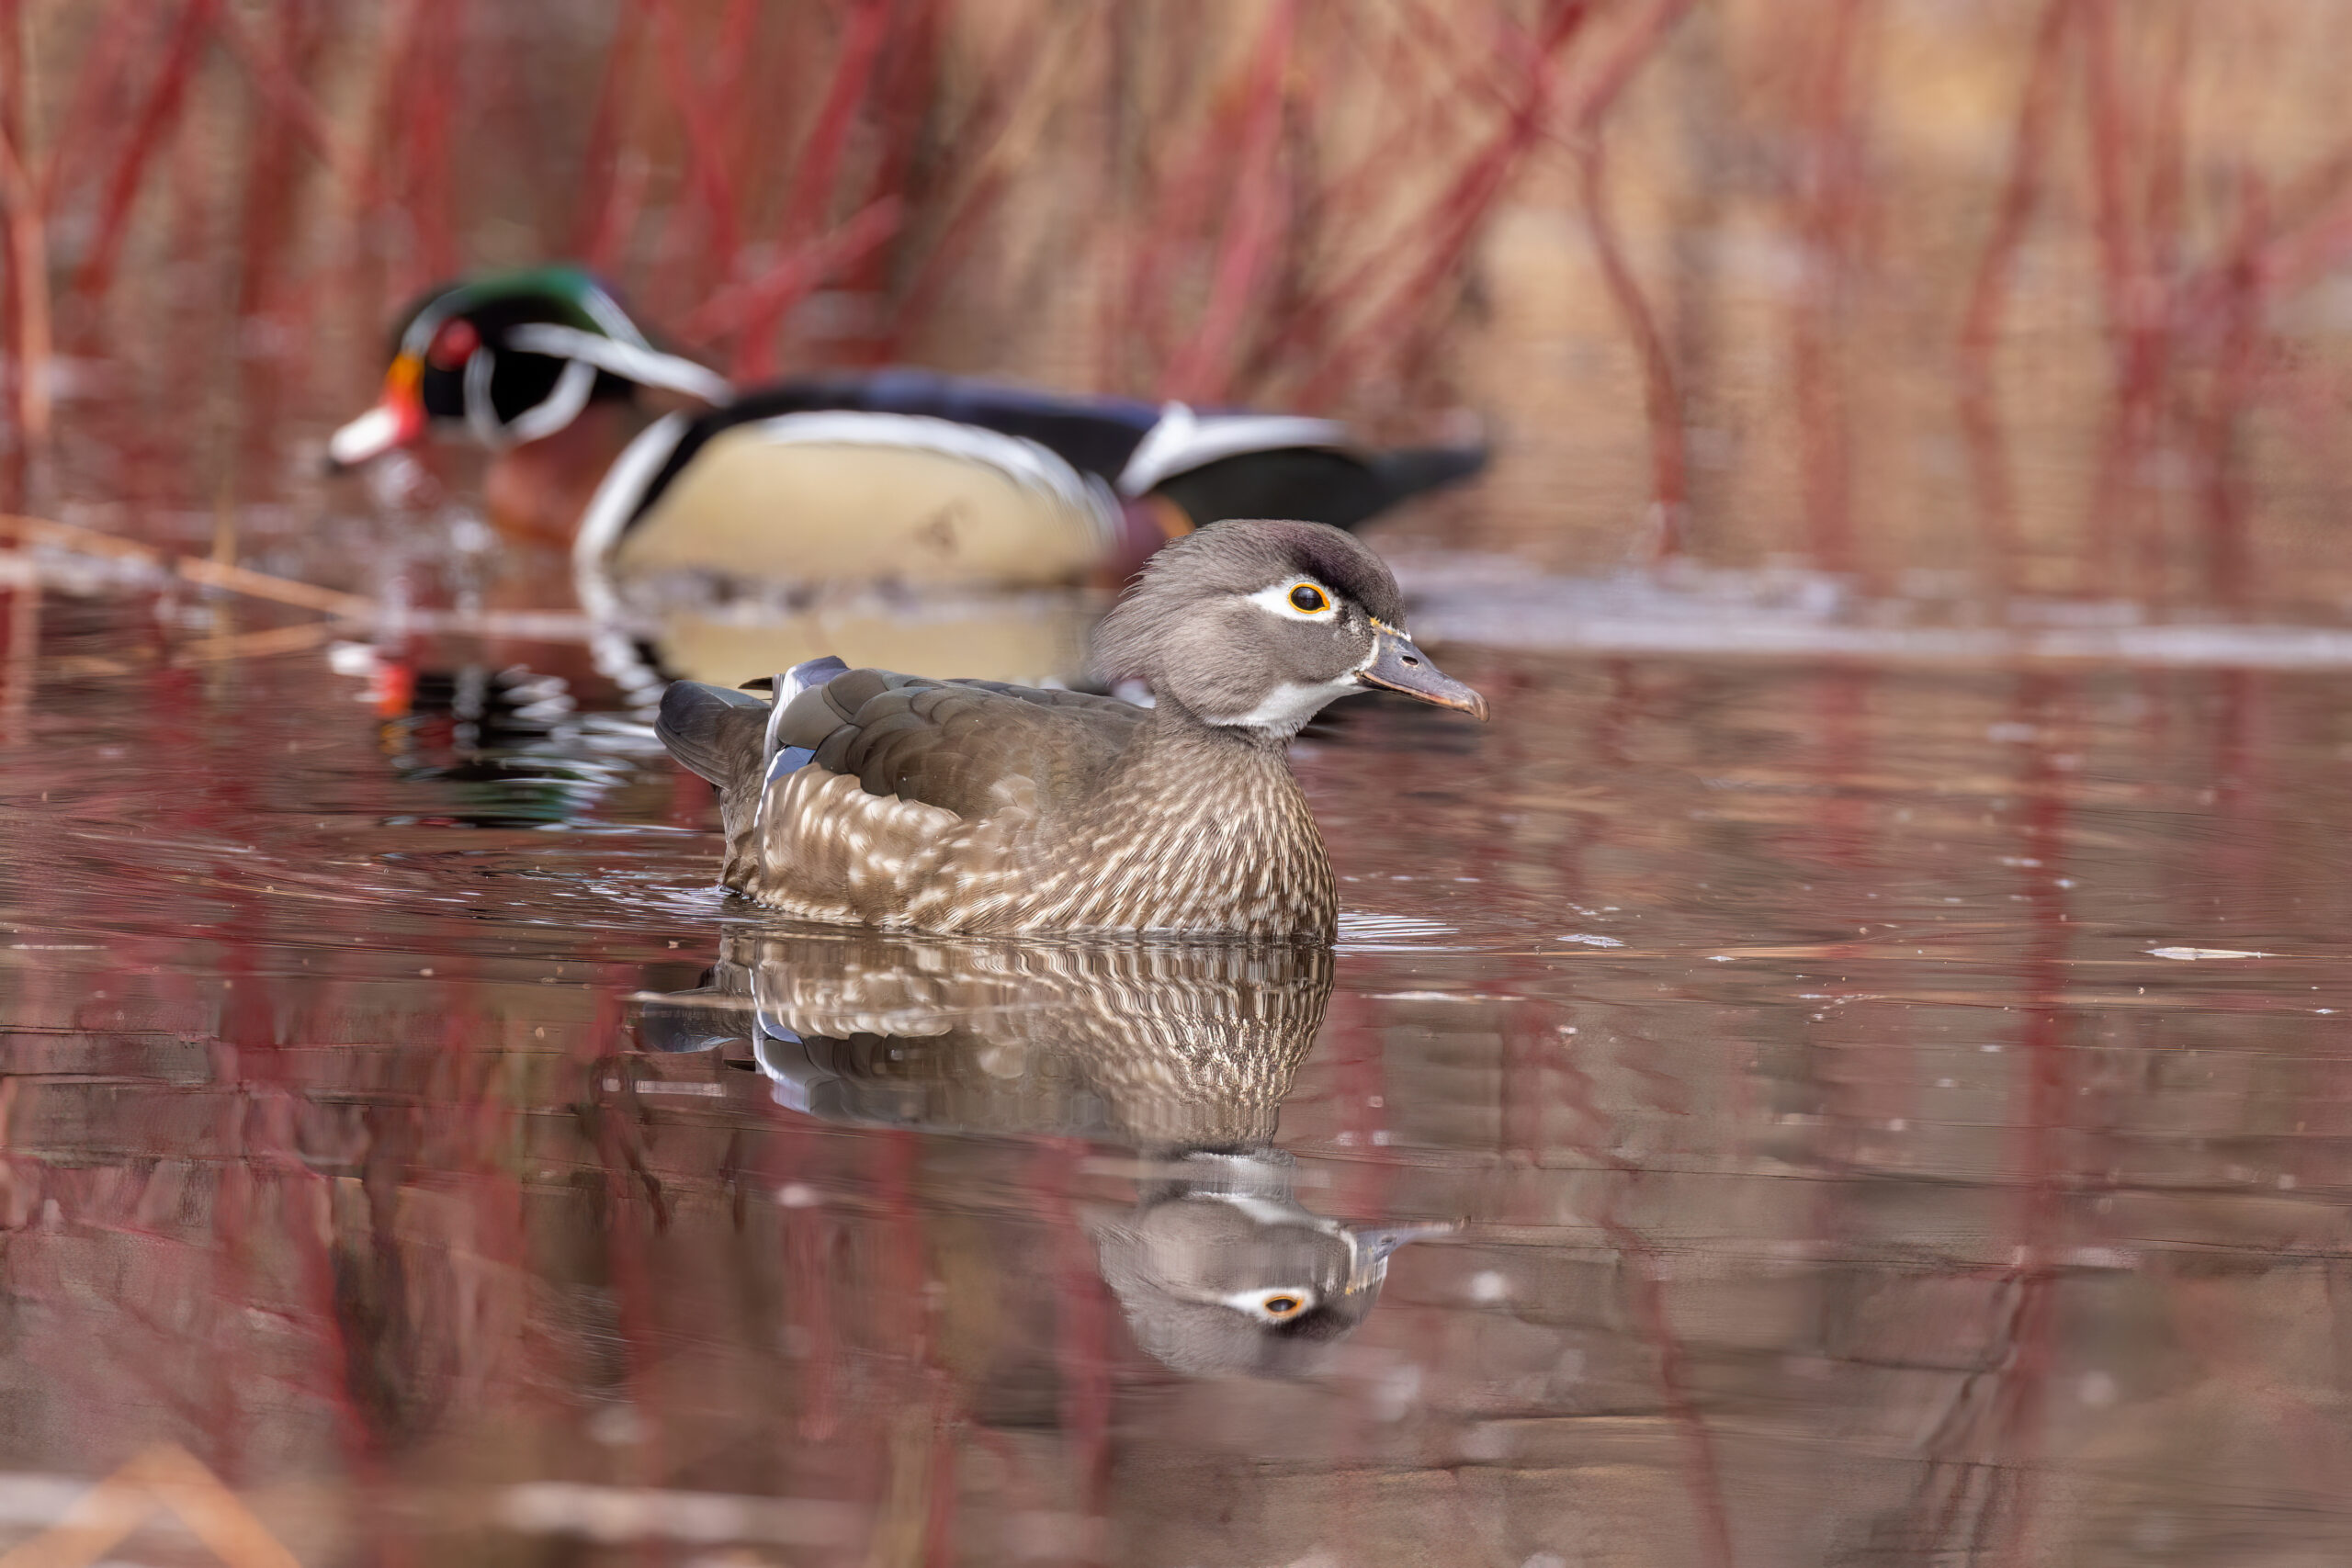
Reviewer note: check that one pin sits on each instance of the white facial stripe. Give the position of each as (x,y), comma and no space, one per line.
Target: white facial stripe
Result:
(1274,599)
(630,361)
(482,415)
(611,317)
(559,407)
(420,333)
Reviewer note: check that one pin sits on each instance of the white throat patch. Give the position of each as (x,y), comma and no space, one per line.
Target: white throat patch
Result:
(1286,707)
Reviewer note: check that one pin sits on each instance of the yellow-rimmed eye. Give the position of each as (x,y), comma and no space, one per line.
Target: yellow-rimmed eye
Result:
(1281,1304)
(1309,598)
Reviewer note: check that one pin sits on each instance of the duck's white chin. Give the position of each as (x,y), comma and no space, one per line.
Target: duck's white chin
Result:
(1286,707)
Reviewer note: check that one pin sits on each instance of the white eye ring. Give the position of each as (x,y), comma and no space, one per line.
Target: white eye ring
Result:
(1274,1306)
(1275,598)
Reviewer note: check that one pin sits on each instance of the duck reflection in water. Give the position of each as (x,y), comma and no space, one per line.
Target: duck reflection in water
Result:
(1180,1051)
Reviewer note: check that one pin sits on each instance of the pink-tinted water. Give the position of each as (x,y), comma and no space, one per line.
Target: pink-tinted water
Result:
(1893,1116)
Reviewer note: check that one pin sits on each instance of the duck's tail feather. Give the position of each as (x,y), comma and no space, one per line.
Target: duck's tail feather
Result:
(1411,470)
(719,735)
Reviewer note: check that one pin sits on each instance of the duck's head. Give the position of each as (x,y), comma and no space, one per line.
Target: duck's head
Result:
(512,359)
(1221,1270)
(1255,625)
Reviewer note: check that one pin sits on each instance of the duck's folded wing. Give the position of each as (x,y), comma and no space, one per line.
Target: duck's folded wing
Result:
(957,744)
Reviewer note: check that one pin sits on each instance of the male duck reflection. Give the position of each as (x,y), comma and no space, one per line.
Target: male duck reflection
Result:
(867,797)
(900,475)
(1181,1052)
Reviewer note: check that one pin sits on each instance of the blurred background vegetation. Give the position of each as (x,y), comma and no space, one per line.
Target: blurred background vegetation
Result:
(1964,298)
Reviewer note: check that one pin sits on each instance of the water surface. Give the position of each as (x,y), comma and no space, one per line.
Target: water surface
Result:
(1841,1114)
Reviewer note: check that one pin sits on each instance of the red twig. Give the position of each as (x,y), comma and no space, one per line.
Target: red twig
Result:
(985,127)
(1662,402)
(293,105)
(27,262)
(598,227)
(773,292)
(815,181)
(1203,369)
(156,117)
(2226,564)
(1988,295)
(706,149)
(1830,193)
(96,85)
(1455,218)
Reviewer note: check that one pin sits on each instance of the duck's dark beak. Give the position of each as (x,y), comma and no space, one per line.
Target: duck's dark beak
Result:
(397,420)
(1368,1249)
(1399,666)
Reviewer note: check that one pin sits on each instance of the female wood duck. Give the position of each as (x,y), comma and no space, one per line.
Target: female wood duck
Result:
(1181,1050)
(1169,1047)
(865,798)
(901,475)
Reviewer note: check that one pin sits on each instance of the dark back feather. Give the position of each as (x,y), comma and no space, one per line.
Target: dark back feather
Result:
(1322,486)
(952,743)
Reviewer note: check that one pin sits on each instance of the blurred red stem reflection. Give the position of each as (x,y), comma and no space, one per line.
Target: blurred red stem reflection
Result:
(1643,1276)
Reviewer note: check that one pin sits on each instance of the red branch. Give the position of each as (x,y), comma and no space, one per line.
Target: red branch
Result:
(808,201)
(1203,371)
(770,295)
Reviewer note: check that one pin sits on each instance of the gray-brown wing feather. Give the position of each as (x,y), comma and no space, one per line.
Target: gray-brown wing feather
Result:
(952,743)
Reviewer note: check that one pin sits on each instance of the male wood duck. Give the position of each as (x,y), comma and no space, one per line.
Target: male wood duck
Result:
(903,476)
(1182,1050)
(865,798)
